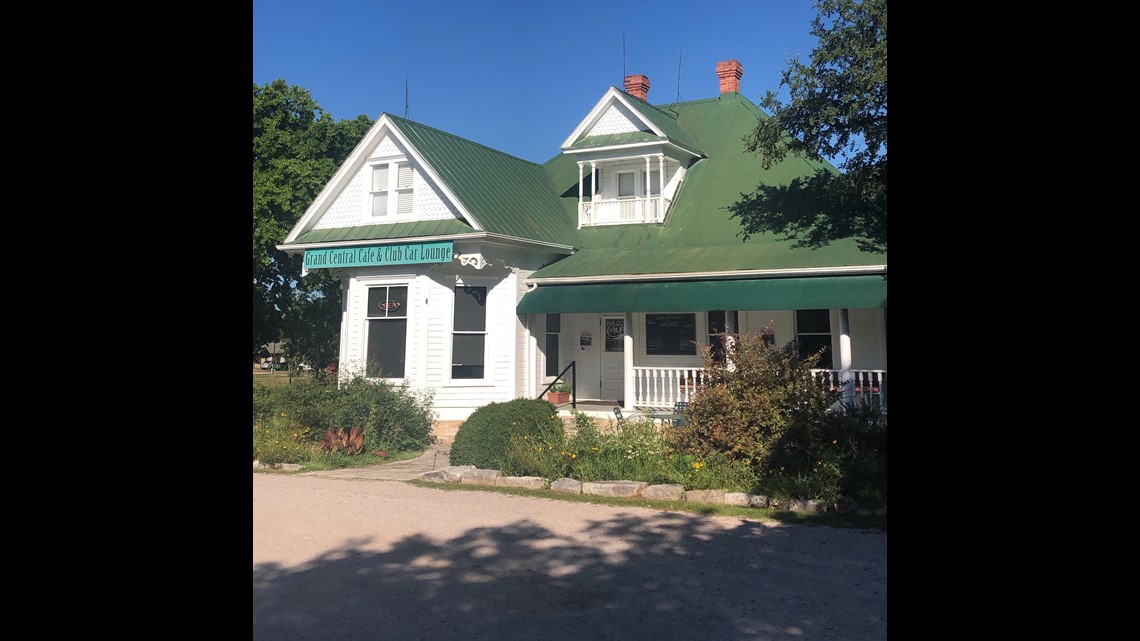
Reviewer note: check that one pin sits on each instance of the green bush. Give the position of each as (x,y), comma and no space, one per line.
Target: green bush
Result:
(637,451)
(764,409)
(484,439)
(393,417)
(280,439)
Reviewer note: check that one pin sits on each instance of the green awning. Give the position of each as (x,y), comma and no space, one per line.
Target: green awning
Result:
(699,296)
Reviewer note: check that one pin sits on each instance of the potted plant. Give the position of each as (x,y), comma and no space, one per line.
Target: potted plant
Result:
(559,393)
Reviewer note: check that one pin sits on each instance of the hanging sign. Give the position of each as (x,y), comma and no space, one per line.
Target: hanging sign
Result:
(402,254)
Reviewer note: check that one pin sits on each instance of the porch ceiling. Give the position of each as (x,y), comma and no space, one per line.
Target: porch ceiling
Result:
(700,296)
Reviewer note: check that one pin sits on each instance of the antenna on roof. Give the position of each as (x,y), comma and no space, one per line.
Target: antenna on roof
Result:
(679,52)
(405,95)
(623,55)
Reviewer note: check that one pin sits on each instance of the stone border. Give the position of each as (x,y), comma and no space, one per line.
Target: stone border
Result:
(469,474)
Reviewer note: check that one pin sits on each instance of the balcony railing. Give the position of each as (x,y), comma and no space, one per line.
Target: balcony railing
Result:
(616,211)
(661,387)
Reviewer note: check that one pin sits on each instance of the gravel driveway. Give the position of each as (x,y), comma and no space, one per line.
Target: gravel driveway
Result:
(365,559)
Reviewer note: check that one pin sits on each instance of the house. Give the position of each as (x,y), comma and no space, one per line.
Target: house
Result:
(484,277)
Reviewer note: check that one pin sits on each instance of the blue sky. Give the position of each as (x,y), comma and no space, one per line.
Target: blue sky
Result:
(518,75)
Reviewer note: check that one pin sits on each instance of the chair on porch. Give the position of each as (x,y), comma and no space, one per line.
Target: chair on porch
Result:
(622,419)
(678,410)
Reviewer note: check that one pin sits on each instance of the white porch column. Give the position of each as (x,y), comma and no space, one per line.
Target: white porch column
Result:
(645,203)
(581,168)
(844,364)
(627,368)
(594,184)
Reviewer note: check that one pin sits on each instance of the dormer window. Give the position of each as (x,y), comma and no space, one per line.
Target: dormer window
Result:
(391,190)
(625,184)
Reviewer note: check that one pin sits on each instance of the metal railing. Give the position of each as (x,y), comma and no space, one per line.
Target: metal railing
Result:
(573,383)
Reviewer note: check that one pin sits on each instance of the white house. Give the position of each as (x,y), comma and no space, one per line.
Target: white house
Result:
(484,277)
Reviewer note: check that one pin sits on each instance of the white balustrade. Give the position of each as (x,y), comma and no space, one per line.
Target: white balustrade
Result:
(661,387)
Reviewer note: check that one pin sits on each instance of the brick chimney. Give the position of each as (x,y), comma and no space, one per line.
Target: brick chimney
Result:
(729,72)
(638,85)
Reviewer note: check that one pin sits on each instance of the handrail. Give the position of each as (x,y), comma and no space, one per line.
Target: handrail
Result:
(573,383)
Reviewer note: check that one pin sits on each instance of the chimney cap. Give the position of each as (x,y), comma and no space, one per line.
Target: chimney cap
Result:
(729,72)
(638,85)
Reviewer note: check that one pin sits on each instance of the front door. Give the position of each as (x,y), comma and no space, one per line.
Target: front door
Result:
(613,358)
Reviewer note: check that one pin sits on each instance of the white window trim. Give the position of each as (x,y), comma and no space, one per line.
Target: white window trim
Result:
(617,184)
(392,190)
(486,333)
(368,285)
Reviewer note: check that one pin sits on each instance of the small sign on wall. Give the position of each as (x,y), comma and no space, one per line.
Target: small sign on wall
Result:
(586,341)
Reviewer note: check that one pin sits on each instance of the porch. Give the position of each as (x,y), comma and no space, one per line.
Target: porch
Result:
(656,389)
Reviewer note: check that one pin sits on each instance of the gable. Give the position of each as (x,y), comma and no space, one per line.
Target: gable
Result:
(617,119)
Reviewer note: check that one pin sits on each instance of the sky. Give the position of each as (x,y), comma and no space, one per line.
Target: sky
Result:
(519,75)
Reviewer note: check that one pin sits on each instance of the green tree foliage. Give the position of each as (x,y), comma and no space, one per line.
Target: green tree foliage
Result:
(837,109)
(296,149)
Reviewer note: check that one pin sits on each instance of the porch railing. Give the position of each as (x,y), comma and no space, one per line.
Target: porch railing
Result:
(661,387)
(615,211)
(867,386)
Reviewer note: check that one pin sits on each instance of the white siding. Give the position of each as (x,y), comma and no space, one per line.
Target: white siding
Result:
(783,323)
(868,349)
(570,348)
(616,120)
(349,208)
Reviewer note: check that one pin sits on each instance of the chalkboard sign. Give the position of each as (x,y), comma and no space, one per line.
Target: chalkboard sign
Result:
(670,334)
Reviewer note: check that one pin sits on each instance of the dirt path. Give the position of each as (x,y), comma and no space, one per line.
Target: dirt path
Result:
(371,559)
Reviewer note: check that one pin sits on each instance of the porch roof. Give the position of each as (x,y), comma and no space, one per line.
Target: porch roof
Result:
(699,296)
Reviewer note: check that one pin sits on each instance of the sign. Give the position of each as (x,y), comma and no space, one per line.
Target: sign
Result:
(585,341)
(389,306)
(403,254)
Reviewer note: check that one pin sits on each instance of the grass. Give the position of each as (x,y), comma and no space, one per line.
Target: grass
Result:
(269,378)
(829,519)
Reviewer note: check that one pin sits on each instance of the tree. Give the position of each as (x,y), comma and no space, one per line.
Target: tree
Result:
(296,149)
(837,109)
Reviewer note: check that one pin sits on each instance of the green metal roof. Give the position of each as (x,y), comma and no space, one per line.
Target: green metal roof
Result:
(666,121)
(505,194)
(698,235)
(393,231)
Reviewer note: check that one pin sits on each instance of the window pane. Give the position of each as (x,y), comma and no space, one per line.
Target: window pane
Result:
(467,356)
(553,323)
(625,184)
(387,302)
(380,178)
(654,181)
(716,322)
(386,343)
(812,343)
(813,321)
(670,334)
(380,204)
(552,364)
(470,309)
(615,335)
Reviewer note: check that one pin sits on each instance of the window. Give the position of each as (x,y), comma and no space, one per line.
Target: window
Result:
(386,196)
(671,334)
(553,328)
(720,324)
(469,336)
(625,184)
(653,184)
(615,335)
(813,333)
(387,331)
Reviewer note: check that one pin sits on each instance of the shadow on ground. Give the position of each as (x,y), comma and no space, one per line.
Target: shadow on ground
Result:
(666,576)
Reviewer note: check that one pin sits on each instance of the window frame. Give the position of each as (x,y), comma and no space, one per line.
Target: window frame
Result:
(458,290)
(830,363)
(557,337)
(392,193)
(632,183)
(373,316)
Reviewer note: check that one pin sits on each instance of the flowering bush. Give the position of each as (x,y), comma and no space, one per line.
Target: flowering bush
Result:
(280,439)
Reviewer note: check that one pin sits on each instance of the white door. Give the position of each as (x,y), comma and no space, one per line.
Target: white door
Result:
(613,357)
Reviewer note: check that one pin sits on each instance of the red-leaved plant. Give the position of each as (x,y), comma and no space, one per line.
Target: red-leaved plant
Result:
(349,442)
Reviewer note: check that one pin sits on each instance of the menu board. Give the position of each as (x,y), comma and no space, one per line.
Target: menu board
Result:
(670,334)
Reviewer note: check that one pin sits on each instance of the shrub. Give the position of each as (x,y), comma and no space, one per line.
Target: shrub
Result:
(393,417)
(484,439)
(280,439)
(637,451)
